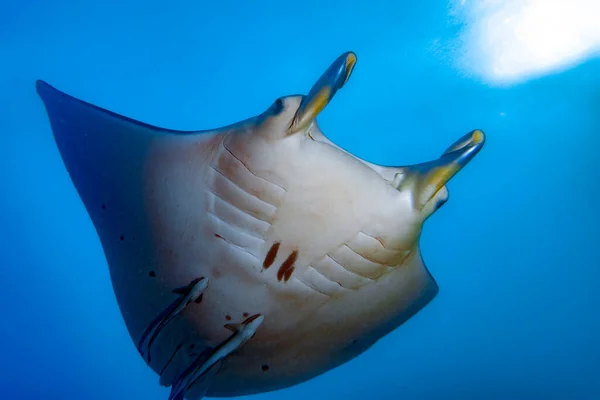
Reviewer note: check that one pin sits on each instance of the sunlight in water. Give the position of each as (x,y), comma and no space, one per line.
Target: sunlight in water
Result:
(507,41)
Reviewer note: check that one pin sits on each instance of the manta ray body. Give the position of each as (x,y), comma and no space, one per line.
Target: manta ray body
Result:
(259,255)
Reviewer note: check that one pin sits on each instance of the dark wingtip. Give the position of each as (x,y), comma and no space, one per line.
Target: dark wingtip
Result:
(44,89)
(40,86)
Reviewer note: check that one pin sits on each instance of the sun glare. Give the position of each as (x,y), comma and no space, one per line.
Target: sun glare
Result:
(507,41)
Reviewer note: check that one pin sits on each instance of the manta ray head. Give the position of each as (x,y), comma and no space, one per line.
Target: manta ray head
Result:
(288,147)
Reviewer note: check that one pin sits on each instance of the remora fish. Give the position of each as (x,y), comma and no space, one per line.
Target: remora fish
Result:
(189,294)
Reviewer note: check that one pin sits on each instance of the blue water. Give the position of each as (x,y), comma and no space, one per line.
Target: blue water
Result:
(515,250)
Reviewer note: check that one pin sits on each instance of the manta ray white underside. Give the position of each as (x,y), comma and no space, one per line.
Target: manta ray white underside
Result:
(255,256)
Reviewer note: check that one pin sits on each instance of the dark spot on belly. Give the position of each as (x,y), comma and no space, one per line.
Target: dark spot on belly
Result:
(288,274)
(246,315)
(103,206)
(122,238)
(151,274)
(271,254)
(228,318)
(287,267)
(265,367)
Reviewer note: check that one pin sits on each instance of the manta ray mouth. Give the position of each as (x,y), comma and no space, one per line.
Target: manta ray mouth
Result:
(429,178)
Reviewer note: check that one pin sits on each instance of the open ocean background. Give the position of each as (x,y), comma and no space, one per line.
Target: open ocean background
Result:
(516,250)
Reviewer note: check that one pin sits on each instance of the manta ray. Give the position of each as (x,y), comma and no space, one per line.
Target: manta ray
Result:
(255,256)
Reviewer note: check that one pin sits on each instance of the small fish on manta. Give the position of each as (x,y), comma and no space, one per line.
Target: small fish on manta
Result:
(189,294)
(292,255)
